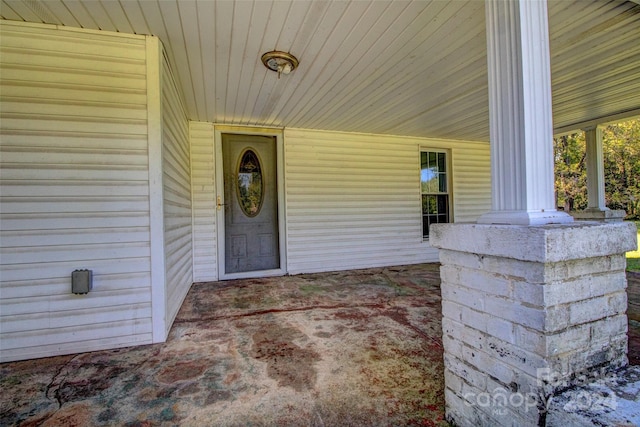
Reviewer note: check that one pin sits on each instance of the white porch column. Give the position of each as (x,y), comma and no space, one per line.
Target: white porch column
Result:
(531,301)
(520,115)
(596,209)
(595,169)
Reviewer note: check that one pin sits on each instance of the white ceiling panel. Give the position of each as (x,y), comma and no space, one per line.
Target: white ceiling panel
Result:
(398,67)
(78,10)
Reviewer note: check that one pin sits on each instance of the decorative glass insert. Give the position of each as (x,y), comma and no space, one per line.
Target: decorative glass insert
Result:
(250,184)
(434,189)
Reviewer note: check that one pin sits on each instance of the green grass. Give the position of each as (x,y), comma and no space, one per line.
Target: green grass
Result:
(633,257)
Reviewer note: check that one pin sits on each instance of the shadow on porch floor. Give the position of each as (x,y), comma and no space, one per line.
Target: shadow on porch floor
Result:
(358,348)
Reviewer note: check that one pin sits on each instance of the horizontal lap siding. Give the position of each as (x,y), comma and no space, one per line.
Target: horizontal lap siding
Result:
(471,181)
(177,197)
(74,191)
(353,200)
(204,202)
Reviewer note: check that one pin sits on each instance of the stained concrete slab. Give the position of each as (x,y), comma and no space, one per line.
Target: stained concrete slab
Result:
(349,348)
(354,348)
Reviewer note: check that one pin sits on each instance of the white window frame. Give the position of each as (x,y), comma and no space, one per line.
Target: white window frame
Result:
(449,182)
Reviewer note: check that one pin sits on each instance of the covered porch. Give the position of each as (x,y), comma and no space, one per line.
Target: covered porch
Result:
(358,347)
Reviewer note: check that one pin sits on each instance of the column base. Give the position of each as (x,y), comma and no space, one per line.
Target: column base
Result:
(601,215)
(527,312)
(525,217)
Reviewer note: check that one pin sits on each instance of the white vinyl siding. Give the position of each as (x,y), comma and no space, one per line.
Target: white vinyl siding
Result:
(204,202)
(95,141)
(353,200)
(471,181)
(176,169)
(74,191)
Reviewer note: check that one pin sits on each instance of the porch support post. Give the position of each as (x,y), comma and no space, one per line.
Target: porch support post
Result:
(521,126)
(595,169)
(530,299)
(596,208)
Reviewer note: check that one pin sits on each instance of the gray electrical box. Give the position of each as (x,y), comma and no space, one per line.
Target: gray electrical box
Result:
(81,281)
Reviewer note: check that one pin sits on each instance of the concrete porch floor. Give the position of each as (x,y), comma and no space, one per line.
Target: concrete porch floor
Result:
(356,348)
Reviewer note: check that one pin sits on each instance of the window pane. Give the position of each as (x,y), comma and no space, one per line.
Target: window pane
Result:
(433,205)
(433,184)
(432,161)
(250,188)
(442,182)
(429,180)
(443,205)
(427,221)
(430,205)
(441,163)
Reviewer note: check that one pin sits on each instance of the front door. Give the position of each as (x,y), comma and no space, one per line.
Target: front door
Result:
(250,203)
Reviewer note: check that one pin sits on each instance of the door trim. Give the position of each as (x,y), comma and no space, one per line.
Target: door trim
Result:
(219,184)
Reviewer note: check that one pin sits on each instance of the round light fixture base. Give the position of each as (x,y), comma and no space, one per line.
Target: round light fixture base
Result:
(280,62)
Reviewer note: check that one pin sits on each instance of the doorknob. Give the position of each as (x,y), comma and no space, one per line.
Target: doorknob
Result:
(219,203)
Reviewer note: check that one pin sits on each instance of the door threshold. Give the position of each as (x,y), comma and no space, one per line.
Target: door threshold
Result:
(253,274)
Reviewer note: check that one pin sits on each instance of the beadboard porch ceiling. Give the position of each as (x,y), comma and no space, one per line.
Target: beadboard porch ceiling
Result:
(415,68)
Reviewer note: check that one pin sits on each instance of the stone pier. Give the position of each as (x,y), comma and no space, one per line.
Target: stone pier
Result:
(527,312)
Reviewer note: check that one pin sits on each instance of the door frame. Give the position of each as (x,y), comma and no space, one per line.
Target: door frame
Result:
(219,192)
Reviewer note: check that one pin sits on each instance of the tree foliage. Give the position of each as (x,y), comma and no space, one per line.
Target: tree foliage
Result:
(571,176)
(621,153)
(621,150)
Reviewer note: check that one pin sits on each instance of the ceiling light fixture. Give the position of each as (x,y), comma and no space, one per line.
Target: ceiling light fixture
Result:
(280,62)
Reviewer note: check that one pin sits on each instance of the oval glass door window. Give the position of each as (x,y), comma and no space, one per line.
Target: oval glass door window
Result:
(250,185)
